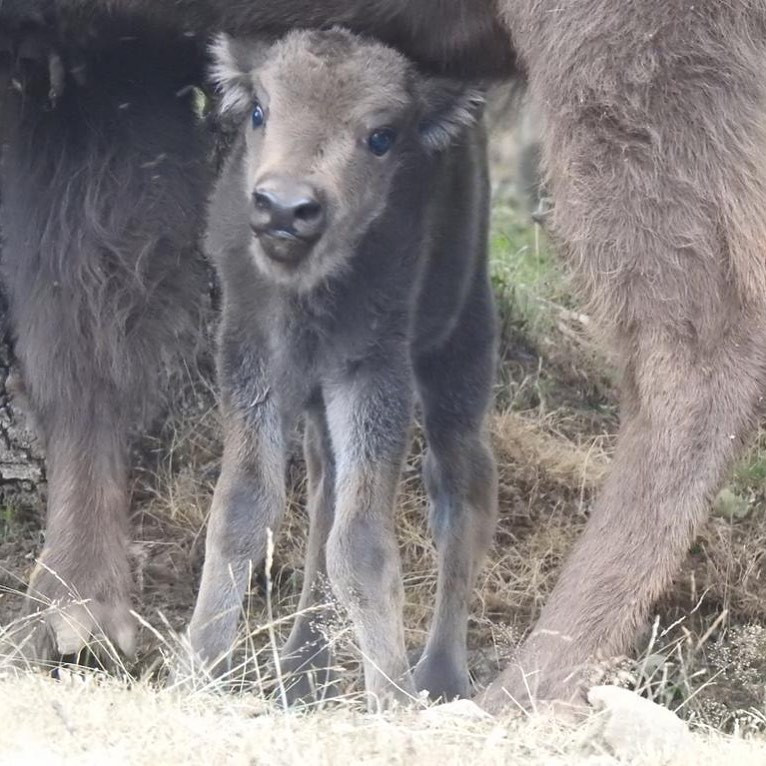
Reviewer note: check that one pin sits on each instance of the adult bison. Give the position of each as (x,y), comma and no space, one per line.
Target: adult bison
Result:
(655,154)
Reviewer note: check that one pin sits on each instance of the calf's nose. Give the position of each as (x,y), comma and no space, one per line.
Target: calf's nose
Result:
(286,208)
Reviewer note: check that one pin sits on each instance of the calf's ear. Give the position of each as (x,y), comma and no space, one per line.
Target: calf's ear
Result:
(449,107)
(233,61)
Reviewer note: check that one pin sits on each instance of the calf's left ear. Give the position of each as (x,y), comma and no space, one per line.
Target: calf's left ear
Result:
(449,107)
(233,61)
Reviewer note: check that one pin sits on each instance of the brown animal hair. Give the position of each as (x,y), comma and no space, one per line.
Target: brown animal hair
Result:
(655,153)
(103,197)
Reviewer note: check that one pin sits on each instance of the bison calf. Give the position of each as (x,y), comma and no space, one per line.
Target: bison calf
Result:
(349,231)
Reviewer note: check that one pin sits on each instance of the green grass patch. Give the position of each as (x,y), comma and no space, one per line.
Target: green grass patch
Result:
(746,490)
(9,520)
(523,268)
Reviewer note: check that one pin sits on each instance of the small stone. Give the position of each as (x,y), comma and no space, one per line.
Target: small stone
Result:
(635,729)
(458,709)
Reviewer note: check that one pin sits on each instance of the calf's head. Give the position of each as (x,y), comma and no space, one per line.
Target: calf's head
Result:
(328,118)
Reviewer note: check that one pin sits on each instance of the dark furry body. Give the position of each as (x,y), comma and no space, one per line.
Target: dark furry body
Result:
(104,195)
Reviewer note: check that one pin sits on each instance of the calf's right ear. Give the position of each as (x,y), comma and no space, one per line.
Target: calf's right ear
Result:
(231,70)
(448,108)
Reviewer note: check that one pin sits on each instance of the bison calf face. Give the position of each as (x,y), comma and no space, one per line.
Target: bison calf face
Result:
(328,118)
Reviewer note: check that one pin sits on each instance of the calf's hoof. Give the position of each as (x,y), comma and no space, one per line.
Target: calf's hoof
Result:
(307,675)
(442,677)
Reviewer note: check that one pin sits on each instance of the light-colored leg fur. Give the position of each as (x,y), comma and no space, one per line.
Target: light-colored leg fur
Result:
(369,418)
(685,416)
(82,583)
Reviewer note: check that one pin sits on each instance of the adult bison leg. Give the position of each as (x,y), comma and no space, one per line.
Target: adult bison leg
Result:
(103,191)
(686,412)
(81,583)
(655,147)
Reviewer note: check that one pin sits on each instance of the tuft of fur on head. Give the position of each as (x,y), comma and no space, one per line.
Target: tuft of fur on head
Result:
(450,107)
(232,63)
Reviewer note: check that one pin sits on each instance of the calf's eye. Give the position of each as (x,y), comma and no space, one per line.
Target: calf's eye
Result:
(258,116)
(381,140)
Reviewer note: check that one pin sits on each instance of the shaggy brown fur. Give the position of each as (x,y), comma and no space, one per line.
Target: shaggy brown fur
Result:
(103,198)
(455,35)
(655,150)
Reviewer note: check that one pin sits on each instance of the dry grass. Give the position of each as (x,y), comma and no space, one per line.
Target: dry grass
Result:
(87,719)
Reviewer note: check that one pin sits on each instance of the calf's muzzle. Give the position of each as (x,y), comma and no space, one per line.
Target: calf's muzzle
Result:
(287,216)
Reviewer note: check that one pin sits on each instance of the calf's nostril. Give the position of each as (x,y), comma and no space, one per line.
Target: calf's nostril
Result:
(308,211)
(262,201)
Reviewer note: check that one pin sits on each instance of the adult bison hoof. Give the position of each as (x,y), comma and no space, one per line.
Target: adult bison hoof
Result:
(62,620)
(557,687)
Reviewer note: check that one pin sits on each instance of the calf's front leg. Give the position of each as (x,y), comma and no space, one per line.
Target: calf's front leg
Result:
(369,416)
(249,500)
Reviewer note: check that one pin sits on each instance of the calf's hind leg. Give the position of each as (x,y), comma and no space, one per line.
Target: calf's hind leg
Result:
(455,386)
(306,659)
